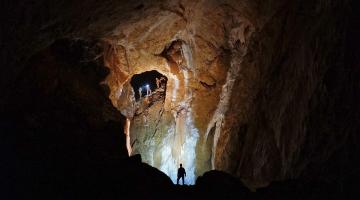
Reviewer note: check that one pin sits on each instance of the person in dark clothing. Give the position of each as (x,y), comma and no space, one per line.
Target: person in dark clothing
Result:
(181,173)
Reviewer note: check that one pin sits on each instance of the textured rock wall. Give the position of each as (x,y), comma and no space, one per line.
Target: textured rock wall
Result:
(277,130)
(252,82)
(194,53)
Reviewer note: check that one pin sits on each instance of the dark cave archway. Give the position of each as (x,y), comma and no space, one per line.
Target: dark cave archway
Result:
(149,78)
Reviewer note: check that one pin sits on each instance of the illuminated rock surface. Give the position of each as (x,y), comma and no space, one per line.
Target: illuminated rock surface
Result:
(263,90)
(246,80)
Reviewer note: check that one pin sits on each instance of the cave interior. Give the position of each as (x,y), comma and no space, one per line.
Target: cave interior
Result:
(105,99)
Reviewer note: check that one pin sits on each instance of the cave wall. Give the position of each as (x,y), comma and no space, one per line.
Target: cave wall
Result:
(255,83)
(292,86)
(179,41)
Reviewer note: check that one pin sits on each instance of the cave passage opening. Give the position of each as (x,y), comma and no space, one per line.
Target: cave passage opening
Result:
(146,82)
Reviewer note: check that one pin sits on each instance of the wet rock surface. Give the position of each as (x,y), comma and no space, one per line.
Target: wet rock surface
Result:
(148,126)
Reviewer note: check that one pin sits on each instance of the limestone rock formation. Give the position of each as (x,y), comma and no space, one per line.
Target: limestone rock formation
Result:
(242,85)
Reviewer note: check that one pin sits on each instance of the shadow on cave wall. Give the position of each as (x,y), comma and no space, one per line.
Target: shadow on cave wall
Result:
(59,103)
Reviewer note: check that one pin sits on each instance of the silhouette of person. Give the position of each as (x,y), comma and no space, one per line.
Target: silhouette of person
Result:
(181,173)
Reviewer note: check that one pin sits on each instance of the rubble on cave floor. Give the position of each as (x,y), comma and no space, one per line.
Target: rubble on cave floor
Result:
(147,101)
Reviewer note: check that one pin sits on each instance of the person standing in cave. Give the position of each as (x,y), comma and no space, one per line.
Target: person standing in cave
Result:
(181,173)
(140,90)
(162,82)
(157,83)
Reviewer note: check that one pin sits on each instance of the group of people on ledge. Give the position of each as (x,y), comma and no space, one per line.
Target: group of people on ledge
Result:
(160,83)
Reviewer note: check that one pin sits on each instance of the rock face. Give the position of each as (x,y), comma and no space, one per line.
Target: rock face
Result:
(285,90)
(195,61)
(244,89)
(147,127)
(217,184)
(264,90)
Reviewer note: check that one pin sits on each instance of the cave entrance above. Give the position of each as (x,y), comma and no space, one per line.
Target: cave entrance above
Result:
(148,82)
